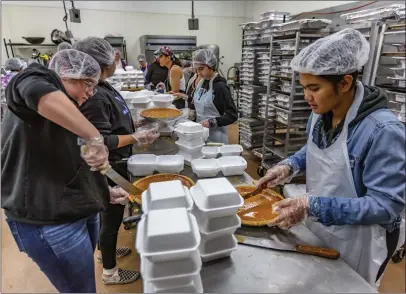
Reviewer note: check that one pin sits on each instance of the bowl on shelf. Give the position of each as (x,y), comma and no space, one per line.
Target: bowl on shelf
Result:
(34,40)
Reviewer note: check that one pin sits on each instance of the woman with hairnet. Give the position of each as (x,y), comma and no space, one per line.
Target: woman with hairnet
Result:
(63,46)
(50,196)
(215,108)
(108,111)
(355,180)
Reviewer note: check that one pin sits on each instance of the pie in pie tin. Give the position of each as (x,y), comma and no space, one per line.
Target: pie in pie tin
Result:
(161,113)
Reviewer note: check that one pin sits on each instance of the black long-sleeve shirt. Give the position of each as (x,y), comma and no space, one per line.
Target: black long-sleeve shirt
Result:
(156,74)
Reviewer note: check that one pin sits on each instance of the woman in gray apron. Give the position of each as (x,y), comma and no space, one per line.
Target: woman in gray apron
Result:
(354,178)
(215,108)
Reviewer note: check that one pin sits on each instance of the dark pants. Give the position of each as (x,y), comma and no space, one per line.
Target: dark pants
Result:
(111,220)
(391,243)
(64,253)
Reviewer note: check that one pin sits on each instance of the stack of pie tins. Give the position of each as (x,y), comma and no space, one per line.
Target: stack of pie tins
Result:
(257,209)
(168,240)
(216,203)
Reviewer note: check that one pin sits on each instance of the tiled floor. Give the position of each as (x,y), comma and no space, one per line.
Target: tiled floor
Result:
(21,275)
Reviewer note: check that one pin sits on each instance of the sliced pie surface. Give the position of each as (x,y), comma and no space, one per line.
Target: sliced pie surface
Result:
(143,183)
(257,210)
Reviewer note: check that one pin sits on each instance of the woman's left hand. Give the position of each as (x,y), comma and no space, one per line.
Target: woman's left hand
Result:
(178,95)
(290,212)
(205,123)
(118,196)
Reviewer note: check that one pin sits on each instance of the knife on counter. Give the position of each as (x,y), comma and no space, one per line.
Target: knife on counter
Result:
(120,180)
(277,242)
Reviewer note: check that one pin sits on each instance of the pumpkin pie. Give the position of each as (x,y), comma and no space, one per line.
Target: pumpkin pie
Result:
(143,183)
(257,210)
(161,113)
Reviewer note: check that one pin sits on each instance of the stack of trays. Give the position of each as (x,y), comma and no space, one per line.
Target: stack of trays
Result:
(251,132)
(228,165)
(145,164)
(216,206)
(168,240)
(190,141)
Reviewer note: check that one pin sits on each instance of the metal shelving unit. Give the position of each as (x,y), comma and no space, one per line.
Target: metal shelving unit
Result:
(12,46)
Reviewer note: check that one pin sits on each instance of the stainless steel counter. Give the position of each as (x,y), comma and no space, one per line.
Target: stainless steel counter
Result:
(259,270)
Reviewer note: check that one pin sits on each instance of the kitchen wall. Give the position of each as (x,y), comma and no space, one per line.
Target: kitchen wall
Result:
(219,22)
(254,8)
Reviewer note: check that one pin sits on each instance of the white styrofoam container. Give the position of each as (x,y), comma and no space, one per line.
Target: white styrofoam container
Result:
(232,165)
(141,101)
(142,164)
(162,100)
(210,151)
(208,225)
(166,195)
(195,286)
(189,136)
(189,157)
(190,147)
(191,143)
(206,134)
(189,127)
(231,150)
(217,248)
(171,269)
(205,168)
(167,234)
(216,197)
(170,163)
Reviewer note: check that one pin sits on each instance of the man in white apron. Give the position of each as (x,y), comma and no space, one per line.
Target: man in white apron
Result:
(357,214)
(215,108)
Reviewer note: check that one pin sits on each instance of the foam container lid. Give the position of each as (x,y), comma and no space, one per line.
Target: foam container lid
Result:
(166,195)
(167,234)
(210,151)
(232,165)
(170,163)
(162,98)
(189,127)
(142,160)
(233,149)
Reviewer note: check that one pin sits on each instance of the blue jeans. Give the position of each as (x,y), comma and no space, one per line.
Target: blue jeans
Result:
(63,252)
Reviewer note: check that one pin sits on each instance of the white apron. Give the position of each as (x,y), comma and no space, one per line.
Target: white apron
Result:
(328,172)
(205,109)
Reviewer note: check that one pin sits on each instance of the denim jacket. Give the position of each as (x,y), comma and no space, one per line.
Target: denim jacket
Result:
(376,147)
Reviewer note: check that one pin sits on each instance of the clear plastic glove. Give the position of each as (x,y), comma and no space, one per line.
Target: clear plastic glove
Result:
(161,88)
(179,95)
(118,196)
(277,175)
(146,136)
(290,212)
(95,153)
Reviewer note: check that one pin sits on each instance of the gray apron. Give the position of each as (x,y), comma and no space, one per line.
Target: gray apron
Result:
(205,109)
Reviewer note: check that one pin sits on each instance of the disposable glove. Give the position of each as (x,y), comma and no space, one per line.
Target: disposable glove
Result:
(290,211)
(146,136)
(118,196)
(277,175)
(95,153)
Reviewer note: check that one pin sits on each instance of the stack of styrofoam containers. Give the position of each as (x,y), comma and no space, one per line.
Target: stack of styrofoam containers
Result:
(216,205)
(168,240)
(190,141)
(145,164)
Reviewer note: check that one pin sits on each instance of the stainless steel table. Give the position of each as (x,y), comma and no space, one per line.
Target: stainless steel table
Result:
(259,270)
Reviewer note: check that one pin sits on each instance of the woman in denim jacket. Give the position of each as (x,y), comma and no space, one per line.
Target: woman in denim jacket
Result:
(354,159)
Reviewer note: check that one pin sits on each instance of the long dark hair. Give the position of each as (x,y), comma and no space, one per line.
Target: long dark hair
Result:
(335,79)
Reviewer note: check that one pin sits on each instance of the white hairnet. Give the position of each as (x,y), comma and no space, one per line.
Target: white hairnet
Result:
(14,64)
(73,64)
(98,48)
(341,53)
(205,56)
(64,45)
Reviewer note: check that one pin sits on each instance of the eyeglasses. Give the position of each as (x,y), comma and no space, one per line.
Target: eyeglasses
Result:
(90,86)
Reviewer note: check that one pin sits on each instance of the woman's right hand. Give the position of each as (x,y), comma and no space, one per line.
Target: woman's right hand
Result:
(95,153)
(277,175)
(179,95)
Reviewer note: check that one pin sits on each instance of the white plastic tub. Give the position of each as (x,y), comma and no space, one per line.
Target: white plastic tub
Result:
(232,165)
(142,164)
(168,234)
(162,100)
(189,127)
(171,269)
(166,195)
(231,150)
(217,248)
(216,197)
(205,168)
(170,164)
(210,151)
(195,286)
(189,157)
(190,146)
(209,225)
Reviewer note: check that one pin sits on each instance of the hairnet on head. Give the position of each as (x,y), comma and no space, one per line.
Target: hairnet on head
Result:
(341,53)
(141,57)
(73,64)
(64,45)
(98,48)
(14,64)
(206,57)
